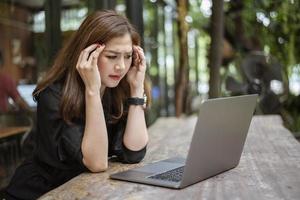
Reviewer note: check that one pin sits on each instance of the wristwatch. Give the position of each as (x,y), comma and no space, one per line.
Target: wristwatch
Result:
(137,101)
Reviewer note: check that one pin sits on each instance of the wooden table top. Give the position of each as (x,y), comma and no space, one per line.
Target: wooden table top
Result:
(269,167)
(10,131)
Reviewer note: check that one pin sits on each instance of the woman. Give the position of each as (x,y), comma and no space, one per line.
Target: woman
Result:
(8,89)
(89,107)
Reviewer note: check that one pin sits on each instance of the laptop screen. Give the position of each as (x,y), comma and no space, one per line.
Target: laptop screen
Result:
(25,91)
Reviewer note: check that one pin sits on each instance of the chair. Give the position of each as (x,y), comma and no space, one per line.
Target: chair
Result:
(10,146)
(15,120)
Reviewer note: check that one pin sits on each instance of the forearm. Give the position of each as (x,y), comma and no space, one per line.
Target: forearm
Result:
(136,135)
(94,143)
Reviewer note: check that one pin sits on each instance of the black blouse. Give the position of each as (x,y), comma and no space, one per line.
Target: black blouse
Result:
(57,157)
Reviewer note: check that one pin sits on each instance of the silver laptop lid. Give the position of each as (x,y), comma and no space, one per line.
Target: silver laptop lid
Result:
(219,137)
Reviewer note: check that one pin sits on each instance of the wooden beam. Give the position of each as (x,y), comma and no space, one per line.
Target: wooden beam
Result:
(215,54)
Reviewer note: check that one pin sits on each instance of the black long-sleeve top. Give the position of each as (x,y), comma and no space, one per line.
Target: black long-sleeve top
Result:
(58,157)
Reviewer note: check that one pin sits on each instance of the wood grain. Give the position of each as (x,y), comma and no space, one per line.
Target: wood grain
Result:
(10,131)
(269,168)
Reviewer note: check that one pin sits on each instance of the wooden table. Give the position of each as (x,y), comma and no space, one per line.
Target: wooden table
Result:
(269,167)
(12,131)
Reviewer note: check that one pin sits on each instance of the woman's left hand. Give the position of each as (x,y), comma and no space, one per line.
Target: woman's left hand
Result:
(136,73)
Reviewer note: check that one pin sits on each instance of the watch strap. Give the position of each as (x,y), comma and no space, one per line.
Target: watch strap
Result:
(135,101)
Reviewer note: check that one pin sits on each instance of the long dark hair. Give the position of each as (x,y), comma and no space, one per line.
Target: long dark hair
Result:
(99,27)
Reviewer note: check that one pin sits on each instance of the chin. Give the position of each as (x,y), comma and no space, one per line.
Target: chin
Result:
(112,85)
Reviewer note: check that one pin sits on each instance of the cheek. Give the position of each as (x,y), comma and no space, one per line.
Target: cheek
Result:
(128,63)
(101,66)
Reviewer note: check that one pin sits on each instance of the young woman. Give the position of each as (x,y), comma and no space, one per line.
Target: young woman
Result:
(90,107)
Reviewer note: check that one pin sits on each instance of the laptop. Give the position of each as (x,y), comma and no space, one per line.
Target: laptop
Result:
(216,146)
(25,91)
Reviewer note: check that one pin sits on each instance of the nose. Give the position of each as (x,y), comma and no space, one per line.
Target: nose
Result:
(120,66)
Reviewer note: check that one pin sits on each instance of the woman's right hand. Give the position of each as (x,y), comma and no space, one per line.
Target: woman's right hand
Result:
(88,68)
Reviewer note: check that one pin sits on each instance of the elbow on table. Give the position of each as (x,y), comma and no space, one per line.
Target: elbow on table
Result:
(99,168)
(133,160)
(96,167)
(132,157)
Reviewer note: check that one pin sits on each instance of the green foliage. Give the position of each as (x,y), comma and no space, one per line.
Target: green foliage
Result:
(276,24)
(199,20)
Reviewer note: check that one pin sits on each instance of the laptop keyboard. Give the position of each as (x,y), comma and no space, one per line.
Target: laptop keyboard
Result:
(174,175)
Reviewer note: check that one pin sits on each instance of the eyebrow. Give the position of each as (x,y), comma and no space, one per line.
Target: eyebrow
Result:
(117,52)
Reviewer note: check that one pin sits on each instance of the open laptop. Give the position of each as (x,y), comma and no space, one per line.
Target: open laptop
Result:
(25,91)
(216,146)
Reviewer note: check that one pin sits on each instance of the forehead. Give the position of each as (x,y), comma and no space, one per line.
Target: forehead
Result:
(119,44)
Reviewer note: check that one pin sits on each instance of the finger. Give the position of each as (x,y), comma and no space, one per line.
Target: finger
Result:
(140,51)
(79,60)
(136,56)
(141,56)
(81,63)
(87,51)
(95,55)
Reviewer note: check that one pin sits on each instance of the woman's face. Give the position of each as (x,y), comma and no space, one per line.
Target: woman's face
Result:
(115,60)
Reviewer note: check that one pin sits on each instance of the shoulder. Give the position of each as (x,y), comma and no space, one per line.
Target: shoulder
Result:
(51,95)
(54,89)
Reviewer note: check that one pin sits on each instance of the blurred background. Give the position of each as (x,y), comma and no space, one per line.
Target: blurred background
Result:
(195,49)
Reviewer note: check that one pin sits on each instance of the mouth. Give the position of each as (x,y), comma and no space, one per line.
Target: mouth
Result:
(115,77)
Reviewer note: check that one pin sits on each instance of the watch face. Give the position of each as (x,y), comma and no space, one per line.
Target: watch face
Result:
(138,101)
(145,99)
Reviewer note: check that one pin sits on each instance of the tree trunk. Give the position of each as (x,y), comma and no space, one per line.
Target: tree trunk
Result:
(100,5)
(154,48)
(53,31)
(134,12)
(165,78)
(215,54)
(182,78)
